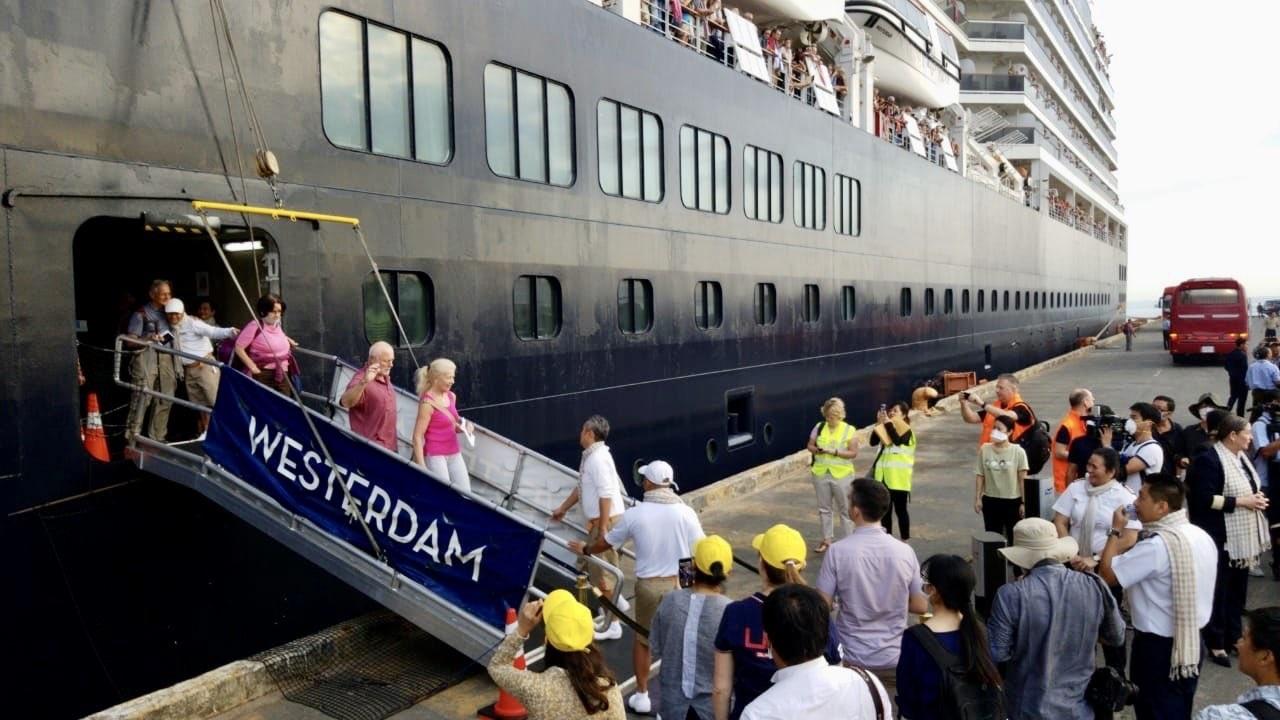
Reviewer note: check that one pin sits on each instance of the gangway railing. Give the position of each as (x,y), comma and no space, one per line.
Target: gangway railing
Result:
(515,486)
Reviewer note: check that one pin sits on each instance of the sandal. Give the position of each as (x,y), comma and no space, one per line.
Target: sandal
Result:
(822,547)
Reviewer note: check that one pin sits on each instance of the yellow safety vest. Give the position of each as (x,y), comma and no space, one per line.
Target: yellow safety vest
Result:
(823,463)
(895,465)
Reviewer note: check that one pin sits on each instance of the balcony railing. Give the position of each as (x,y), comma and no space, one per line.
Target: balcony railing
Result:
(1085,110)
(993,83)
(953,9)
(994,30)
(1070,47)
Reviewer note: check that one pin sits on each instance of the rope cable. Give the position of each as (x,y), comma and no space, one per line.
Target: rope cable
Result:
(349,503)
(386,295)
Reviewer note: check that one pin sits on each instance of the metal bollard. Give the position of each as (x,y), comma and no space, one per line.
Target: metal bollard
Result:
(990,568)
(1040,495)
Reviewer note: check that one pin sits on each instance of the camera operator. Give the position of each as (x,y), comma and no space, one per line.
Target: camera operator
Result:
(1008,404)
(1099,432)
(1142,454)
(1266,460)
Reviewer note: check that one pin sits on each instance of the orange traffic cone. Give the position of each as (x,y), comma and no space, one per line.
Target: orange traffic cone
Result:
(95,440)
(507,707)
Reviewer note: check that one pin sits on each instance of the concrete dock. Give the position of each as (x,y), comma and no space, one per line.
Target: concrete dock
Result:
(942,514)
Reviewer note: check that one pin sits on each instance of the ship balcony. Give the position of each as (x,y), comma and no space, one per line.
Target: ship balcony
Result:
(1083,54)
(1015,37)
(1003,89)
(1045,148)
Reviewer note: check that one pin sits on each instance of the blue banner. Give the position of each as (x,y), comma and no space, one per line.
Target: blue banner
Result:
(471,555)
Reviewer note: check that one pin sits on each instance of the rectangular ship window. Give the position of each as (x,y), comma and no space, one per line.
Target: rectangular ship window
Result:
(704,170)
(964,301)
(367,100)
(948,301)
(708,307)
(904,302)
(414,300)
(629,142)
(528,122)
(635,306)
(762,184)
(848,202)
(537,307)
(848,302)
(928,301)
(766,304)
(809,195)
(739,420)
(812,304)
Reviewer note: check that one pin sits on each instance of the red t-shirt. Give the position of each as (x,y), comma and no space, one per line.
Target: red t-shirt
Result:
(374,416)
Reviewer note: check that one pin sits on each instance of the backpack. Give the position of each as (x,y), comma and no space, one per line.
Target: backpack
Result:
(960,698)
(1035,442)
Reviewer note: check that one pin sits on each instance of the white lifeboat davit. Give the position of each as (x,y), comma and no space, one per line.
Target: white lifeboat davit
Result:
(915,59)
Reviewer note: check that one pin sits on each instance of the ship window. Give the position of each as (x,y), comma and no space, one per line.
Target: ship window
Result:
(1035,300)
(1042,300)
(964,301)
(928,301)
(948,301)
(812,309)
(414,300)
(739,420)
(762,184)
(982,301)
(1006,301)
(848,202)
(848,302)
(367,99)
(537,307)
(708,305)
(704,170)
(630,150)
(635,306)
(1017,300)
(904,302)
(528,126)
(809,195)
(766,304)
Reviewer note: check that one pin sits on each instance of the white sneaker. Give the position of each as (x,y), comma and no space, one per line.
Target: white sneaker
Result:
(639,702)
(622,603)
(1255,571)
(613,632)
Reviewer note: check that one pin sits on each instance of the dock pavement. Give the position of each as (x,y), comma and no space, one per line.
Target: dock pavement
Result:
(942,516)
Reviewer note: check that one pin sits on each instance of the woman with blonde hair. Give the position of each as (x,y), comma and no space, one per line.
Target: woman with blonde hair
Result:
(834,444)
(743,665)
(435,434)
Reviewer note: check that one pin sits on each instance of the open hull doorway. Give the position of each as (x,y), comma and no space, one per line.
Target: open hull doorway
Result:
(115,261)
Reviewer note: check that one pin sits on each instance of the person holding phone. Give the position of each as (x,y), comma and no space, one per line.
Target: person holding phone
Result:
(895,462)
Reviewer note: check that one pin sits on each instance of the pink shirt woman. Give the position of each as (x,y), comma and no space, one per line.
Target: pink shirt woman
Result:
(264,348)
(435,433)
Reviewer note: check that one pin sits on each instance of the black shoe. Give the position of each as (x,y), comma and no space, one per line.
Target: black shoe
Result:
(1224,659)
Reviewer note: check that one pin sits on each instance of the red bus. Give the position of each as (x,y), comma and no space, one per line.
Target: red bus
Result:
(1166,309)
(1206,317)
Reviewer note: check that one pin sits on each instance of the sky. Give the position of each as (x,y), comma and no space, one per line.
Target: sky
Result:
(1198,116)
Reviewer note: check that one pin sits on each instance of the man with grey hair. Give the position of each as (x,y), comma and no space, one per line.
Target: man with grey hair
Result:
(370,400)
(1008,403)
(150,369)
(600,490)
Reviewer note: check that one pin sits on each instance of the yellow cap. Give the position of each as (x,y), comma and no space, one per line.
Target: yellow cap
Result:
(779,544)
(569,626)
(710,550)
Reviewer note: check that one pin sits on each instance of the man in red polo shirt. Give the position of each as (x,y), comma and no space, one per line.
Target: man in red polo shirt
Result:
(371,401)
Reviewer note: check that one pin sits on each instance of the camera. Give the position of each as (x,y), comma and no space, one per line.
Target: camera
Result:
(1108,419)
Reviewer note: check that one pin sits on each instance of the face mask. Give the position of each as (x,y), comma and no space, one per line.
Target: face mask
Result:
(999,436)
(269,320)
(1130,426)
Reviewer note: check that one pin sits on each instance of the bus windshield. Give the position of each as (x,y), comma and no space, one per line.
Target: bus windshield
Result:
(1209,296)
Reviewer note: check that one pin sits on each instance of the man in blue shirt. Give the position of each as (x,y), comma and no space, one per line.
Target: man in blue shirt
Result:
(1262,374)
(1259,649)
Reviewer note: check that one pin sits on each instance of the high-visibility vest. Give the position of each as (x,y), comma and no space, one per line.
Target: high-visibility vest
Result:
(895,465)
(1075,428)
(823,463)
(989,421)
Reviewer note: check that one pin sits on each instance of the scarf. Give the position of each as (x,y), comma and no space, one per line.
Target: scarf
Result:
(1084,532)
(1248,535)
(663,496)
(1185,660)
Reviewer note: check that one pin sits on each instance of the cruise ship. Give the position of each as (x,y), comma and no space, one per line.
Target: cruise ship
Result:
(592,207)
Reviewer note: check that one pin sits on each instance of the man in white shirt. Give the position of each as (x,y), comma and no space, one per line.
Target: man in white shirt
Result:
(192,336)
(1169,576)
(1143,454)
(805,686)
(664,531)
(600,490)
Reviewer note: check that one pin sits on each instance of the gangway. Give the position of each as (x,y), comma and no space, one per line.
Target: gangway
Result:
(514,490)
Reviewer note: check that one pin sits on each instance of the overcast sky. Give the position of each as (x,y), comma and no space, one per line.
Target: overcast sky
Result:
(1198,115)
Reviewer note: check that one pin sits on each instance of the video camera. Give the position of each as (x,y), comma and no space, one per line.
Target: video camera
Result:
(1106,418)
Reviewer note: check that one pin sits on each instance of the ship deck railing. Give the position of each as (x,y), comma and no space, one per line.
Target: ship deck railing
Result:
(508,478)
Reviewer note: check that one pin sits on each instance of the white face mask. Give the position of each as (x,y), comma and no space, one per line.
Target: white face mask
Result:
(999,436)
(271,320)
(1131,427)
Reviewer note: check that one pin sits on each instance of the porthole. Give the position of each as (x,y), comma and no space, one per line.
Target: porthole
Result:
(768,433)
(713,450)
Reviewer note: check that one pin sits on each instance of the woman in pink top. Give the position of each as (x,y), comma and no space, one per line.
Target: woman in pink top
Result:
(435,434)
(264,348)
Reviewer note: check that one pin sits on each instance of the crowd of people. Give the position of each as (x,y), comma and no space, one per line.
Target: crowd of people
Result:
(891,125)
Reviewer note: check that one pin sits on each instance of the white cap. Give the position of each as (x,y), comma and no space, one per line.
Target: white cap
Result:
(174,306)
(659,472)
